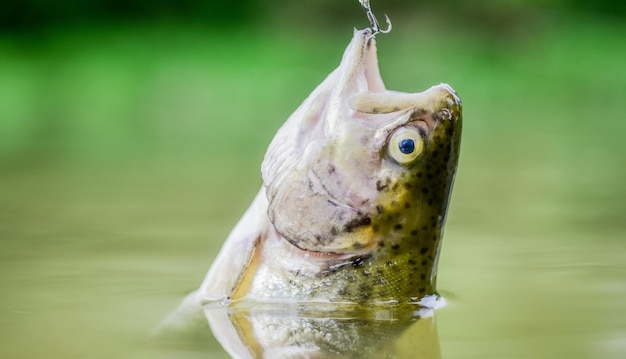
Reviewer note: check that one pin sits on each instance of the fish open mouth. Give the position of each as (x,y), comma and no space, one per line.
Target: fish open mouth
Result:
(359,66)
(371,69)
(363,87)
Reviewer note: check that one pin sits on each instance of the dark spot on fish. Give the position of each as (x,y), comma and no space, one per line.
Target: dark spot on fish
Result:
(331,169)
(408,185)
(375,228)
(423,276)
(422,290)
(423,250)
(394,187)
(425,190)
(407,205)
(424,262)
(381,244)
(334,231)
(419,174)
(412,262)
(375,110)
(381,186)
(395,247)
(397,227)
(358,261)
(380,209)
(440,146)
(355,223)
(425,228)
(414,232)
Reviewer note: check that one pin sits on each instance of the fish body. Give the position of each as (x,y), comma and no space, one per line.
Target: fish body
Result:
(356,185)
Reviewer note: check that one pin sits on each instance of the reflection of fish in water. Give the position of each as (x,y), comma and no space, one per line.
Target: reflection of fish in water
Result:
(316,331)
(356,188)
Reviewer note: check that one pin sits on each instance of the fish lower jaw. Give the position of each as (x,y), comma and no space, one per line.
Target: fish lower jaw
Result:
(321,258)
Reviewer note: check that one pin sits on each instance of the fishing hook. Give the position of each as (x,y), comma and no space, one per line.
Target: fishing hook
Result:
(373,21)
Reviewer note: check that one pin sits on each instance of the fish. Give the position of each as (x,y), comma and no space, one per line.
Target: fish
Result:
(356,187)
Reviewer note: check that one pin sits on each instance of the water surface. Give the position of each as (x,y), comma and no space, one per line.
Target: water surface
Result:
(123,167)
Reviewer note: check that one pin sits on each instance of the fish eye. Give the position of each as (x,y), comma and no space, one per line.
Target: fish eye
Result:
(405,145)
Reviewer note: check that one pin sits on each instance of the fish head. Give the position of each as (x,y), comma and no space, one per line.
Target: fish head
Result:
(358,167)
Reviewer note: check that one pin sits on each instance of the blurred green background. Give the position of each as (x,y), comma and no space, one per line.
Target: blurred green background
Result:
(131,136)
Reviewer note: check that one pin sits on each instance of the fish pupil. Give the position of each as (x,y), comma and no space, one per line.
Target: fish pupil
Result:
(407,146)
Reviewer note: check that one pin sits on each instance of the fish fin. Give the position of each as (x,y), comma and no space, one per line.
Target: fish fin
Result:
(246,276)
(236,253)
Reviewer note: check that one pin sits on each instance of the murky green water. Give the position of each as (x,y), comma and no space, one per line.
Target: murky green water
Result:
(92,260)
(106,225)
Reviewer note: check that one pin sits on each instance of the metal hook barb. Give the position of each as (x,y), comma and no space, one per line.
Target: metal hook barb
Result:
(372,18)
